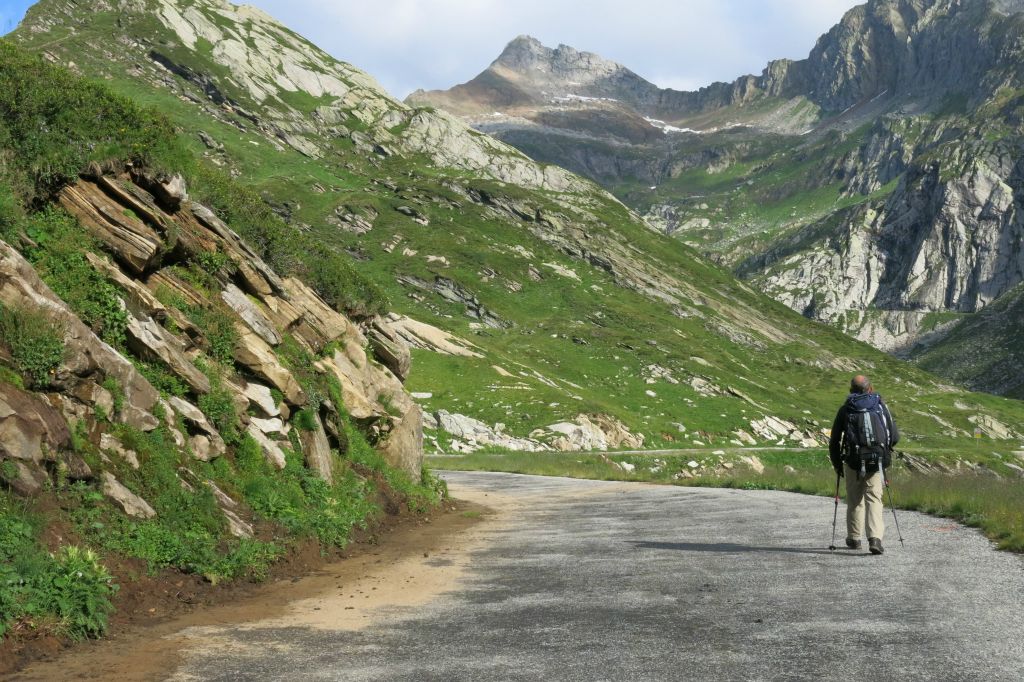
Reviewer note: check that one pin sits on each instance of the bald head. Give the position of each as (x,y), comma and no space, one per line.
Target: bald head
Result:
(860,384)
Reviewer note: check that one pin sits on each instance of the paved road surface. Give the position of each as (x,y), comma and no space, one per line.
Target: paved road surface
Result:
(584,580)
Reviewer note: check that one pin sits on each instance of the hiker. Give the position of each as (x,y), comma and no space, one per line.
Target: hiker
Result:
(863,435)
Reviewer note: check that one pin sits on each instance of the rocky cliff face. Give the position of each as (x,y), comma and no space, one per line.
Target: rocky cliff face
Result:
(149,230)
(944,241)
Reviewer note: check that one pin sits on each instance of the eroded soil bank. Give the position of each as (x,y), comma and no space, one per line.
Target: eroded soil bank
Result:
(390,565)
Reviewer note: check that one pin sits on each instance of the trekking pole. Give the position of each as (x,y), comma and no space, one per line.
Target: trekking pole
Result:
(835,515)
(885,483)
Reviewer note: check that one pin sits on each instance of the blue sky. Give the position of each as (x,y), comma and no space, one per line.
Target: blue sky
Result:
(409,44)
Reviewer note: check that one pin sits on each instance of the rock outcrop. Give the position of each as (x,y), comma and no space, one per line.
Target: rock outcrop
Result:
(153,233)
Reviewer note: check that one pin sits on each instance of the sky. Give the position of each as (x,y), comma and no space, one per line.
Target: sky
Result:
(434,44)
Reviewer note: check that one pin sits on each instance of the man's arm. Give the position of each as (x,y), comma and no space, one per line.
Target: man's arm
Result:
(835,443)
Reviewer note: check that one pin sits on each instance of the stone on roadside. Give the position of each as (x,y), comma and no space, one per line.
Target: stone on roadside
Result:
(130,503)
(754,463)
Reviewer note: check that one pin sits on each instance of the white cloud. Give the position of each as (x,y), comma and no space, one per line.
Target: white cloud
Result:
(407,44)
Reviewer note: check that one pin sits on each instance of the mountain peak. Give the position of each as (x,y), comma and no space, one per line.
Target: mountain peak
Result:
(523,53)
(529,57)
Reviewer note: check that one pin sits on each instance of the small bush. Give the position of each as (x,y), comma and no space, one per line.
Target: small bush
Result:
(80,590)
(35,342)
(334,278)
(59,257)
(219,331)
(71,590)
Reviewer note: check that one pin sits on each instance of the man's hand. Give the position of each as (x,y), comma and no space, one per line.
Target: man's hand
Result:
(839,471)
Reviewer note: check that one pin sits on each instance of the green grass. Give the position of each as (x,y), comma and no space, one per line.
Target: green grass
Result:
(35,343)
(68,591)
(57,251)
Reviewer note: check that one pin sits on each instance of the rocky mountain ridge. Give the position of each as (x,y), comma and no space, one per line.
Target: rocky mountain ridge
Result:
(870,185)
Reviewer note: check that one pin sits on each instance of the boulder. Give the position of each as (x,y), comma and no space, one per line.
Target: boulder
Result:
(389,348)
(422,335)
(210,445)
(594,432)
(150,341)
(171,423)
(256,355)
(268,426)
(236,526)
(92,394)
(27,480)
(317,451)
(403,448)
(260,397)
(271,450)
(251,314)
(363,385)
(616,433)
(172,192)
(130,503)
(754,463)
(31,430)
(256,273)
(320,324)
(109,443)
(86,355)
(135,244)
(477,434)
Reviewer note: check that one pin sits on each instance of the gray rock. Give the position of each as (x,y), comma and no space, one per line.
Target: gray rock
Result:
(30,429)
(317,450)
(130,503)
(251,314)
(151,341)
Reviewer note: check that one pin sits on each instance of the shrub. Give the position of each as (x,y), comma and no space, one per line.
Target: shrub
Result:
(334,278)
(80,590)
(71,589)
(218,329)
(42,122)
(36,343)
(59,256)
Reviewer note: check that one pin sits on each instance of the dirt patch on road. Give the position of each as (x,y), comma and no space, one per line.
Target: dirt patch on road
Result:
(415,561)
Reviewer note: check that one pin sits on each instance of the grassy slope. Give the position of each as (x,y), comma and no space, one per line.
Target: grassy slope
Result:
(985,349)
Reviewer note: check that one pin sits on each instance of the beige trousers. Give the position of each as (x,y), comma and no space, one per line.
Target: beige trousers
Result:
(864,502)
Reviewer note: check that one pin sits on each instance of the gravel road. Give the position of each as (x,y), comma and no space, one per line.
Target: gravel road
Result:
(586,580)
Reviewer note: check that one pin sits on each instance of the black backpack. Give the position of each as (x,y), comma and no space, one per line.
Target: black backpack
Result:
(867,439)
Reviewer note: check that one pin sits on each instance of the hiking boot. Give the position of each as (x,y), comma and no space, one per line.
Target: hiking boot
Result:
(852,544)
(875,545)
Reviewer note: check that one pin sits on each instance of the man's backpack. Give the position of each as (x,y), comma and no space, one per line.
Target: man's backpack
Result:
(867,438)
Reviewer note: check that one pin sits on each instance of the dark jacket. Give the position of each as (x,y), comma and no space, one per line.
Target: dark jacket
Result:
(837,447)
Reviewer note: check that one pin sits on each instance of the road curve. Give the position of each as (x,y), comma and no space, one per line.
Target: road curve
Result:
(587,580)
